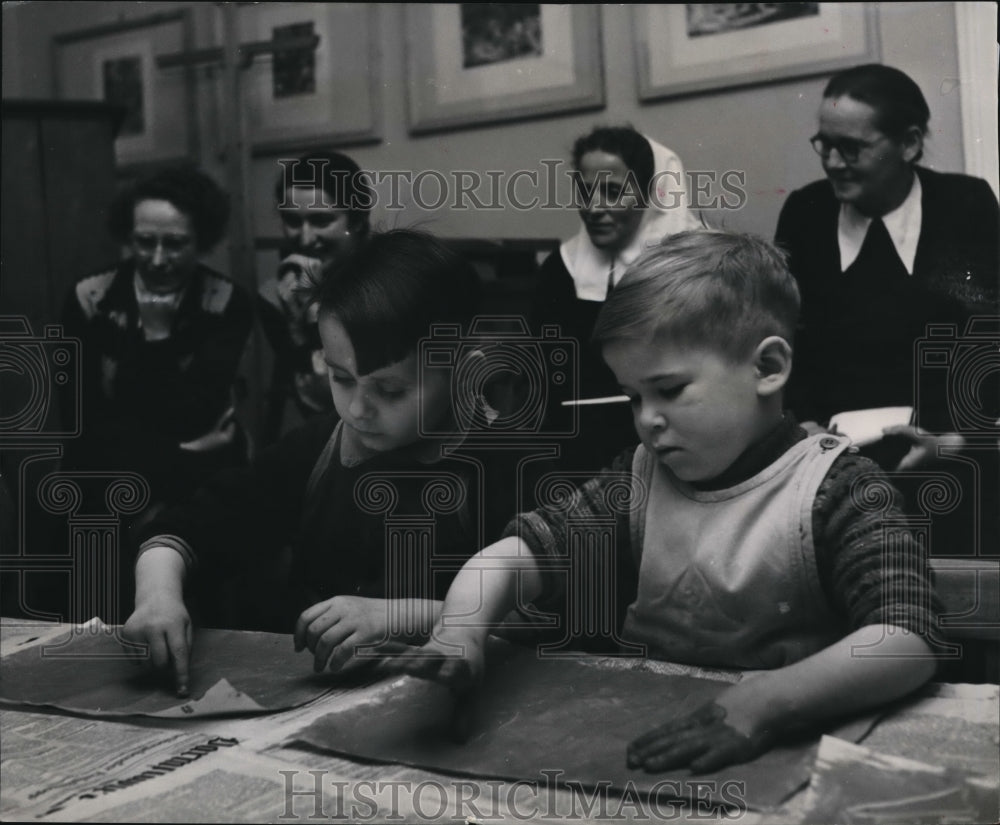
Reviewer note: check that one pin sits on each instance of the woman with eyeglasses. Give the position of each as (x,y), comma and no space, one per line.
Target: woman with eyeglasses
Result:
(161,338)
(893,261)
(323,201)
(882,248)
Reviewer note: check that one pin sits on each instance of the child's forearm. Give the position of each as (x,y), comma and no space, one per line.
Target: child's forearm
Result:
(160,621)
(871,666)
(159,573)
(489,586)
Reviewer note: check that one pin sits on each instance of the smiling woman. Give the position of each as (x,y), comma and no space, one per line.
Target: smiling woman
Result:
(893,259)
(882,248)
(323,200)
(162,336)
(631,191)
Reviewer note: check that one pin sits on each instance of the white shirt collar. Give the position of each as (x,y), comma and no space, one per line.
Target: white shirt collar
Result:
(903,225)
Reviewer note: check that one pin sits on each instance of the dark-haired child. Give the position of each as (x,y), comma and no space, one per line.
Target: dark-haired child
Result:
(755,546)
(335,489)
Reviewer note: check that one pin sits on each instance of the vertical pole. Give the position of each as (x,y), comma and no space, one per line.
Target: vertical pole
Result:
(241,251)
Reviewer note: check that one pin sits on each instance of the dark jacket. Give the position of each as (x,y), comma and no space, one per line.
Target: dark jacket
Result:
(857,344)
(141,399)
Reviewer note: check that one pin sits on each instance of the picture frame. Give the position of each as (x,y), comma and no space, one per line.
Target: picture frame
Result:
(466,69)
(721,45)
(116,62)
(307,99)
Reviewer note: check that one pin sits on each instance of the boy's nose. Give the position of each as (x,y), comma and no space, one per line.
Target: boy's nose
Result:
(360,406)
(652,419)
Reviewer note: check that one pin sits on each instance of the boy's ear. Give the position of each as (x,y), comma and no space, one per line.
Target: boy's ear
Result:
(772,361)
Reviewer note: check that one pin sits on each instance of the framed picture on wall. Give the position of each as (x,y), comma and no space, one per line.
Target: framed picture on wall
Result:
(686,48)
(475,63)
(116,63)
(301,97)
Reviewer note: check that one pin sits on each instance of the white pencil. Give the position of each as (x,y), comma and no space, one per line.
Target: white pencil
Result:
(608,399)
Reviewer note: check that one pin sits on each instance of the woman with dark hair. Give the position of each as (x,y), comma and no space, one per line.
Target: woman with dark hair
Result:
(883,249)
(631,191)
(323,200)
(161,337)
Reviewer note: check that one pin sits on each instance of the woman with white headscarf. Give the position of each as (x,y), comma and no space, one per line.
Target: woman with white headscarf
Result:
(632,192)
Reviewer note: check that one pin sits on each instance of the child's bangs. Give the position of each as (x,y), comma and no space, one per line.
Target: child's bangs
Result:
(384,325)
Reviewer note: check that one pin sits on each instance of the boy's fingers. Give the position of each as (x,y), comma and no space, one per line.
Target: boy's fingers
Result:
(677,756)
(180,651)
(666,731)
(327,645)
(728,752)
(401,659)
(422,663)
(158,651)
(336,651)
(663,740)
(306,618)
(135,649)
(679,735)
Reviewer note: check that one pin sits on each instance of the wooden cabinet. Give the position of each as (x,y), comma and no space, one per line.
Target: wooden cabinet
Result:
(59,179)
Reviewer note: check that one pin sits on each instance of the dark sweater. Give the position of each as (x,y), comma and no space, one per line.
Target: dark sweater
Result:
(857,579)
(858,339)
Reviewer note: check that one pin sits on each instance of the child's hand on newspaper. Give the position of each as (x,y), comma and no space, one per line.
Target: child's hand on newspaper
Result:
(162,624)
(708,739)
(452,658)
(333,631)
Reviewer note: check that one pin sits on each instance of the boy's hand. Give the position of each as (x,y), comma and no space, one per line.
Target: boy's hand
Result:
(710,738)
(163,624)
(451,658)
(334,629)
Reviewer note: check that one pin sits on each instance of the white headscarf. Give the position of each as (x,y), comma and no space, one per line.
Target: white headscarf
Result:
(666,214)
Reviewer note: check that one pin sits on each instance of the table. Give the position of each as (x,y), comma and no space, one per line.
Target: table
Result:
(60,767)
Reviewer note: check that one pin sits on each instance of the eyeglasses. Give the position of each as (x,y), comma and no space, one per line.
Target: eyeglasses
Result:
(849,149)
(171,245)
(318,220)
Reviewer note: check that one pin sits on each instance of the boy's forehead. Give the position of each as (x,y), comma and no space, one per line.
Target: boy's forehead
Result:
(657,357)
